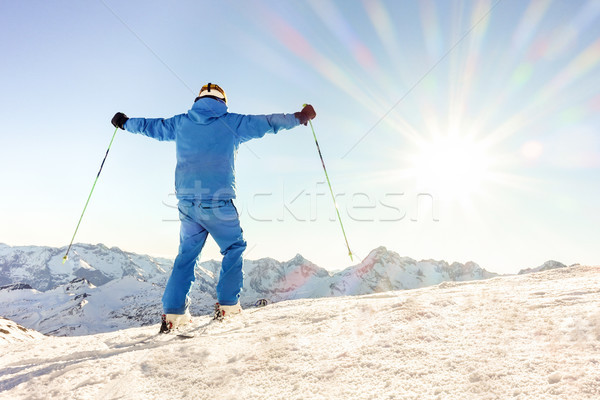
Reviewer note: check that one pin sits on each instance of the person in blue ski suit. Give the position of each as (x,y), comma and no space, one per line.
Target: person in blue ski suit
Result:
(207,138)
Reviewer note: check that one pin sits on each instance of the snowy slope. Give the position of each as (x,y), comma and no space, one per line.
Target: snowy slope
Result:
(132,296)
(80,308)
(531,336)
(11,332)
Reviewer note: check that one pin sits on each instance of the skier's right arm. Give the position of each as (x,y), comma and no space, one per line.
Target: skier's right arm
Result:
(156,128)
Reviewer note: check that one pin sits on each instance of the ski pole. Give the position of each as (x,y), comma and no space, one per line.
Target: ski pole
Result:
(330,189)
(89,197)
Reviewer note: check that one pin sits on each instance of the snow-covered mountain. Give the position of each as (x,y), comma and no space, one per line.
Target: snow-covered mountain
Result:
(42,267)
(521,337)
(385,270)
(382,270)
(100,289)
(548,265)
(80,308)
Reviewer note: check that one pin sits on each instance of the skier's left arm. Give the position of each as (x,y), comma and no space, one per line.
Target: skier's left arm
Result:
(256,126)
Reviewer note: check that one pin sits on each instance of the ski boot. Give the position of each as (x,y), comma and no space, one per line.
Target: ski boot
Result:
(171,322)
(222,312)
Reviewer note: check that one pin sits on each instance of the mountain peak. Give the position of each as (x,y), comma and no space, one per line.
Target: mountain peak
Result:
(298,259)
(548,265)
(78,285)
(379,253)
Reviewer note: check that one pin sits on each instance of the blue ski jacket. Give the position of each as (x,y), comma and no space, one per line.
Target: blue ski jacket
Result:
(207,138)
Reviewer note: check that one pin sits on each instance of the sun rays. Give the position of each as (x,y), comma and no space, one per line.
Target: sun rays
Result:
(456,100)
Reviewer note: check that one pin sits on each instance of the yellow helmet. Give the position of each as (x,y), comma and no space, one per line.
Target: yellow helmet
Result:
(214,91)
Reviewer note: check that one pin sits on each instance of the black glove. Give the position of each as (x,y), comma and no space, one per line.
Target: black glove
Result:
(119,120)
(307,113)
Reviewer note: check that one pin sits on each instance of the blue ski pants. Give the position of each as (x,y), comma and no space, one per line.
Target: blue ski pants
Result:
(221,220)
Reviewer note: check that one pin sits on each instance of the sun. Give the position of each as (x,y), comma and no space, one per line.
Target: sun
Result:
(451,166)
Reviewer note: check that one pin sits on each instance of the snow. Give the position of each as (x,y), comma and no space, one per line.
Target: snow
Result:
(43,268)
(382,269)
(80,308)
(551,264)
(87,300)
(11,332)
(524,337)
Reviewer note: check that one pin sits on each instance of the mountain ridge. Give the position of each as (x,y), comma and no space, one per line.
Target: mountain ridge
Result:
(42,267)
(101,289)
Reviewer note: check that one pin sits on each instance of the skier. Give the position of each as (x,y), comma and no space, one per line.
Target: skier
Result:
(207,138)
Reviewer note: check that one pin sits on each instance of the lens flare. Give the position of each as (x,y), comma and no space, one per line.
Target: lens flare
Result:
(463,94)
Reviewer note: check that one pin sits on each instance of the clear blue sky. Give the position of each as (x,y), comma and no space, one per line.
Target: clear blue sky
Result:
(451,130)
